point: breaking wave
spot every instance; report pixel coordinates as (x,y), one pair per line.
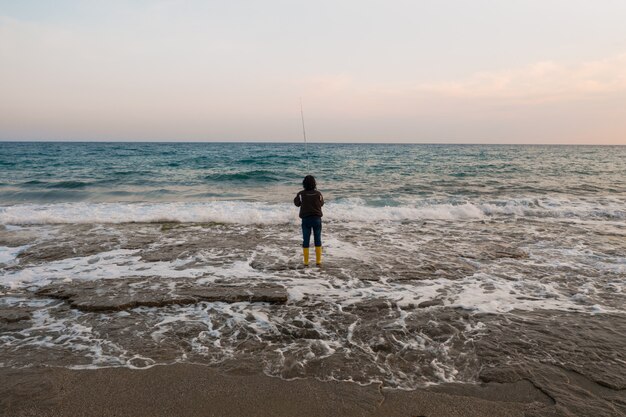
(237,212)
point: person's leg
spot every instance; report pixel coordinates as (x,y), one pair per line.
(317,237)
(306,232)
(306,240)
(317,231)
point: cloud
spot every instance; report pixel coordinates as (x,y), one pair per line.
(538,82)
(544,102)
(541,81)
(154,81)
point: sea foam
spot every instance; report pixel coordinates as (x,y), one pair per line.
(237,212)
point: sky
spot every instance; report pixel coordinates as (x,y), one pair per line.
(422,71)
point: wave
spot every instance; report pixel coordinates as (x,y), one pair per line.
(69,184)
(33,183)
(238,212)
(255,161)
(254,176)
(56,184)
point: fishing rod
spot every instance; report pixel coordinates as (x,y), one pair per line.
(306,147)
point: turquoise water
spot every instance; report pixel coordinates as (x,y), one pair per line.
(378,174)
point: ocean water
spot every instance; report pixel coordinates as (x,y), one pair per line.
(254,183)
(441,262)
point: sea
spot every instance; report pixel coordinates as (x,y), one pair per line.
(441,264)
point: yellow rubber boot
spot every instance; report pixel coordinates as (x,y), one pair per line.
(305,252)
(318,255)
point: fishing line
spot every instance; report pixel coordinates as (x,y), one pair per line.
(306,147)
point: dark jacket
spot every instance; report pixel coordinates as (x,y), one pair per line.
(310,203)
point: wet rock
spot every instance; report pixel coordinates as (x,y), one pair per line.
(198,253)
(430,303)
(263,265)
(495,251)
(379,304)
(364,272)
(509,252)
(14,239)
(189,330)
(426,270)
(13,316)
(212,245)
(301,333)
(125,294)
(520,391)
(15,319)
(266,293)
(382,345)
(502,375)
(55,251)
(171,252)
(568,339)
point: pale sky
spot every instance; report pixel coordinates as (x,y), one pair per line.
(440,71)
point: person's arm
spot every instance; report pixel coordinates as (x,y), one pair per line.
(298,200)
(321,199)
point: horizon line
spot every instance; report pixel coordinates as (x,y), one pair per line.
(308,142)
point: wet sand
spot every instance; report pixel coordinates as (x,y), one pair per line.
(196,390)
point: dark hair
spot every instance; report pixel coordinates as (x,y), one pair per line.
(309,183)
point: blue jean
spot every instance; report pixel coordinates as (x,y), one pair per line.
(308,223)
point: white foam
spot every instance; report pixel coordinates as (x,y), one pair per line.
(484,291)
(112,264)
(354,210)
(9,255)
(219,211)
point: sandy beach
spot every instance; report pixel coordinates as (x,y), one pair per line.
(194,390)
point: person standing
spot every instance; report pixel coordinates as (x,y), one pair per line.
(310,201)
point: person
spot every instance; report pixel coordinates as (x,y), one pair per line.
(310,201)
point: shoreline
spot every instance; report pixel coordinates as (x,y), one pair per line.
(198,390)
